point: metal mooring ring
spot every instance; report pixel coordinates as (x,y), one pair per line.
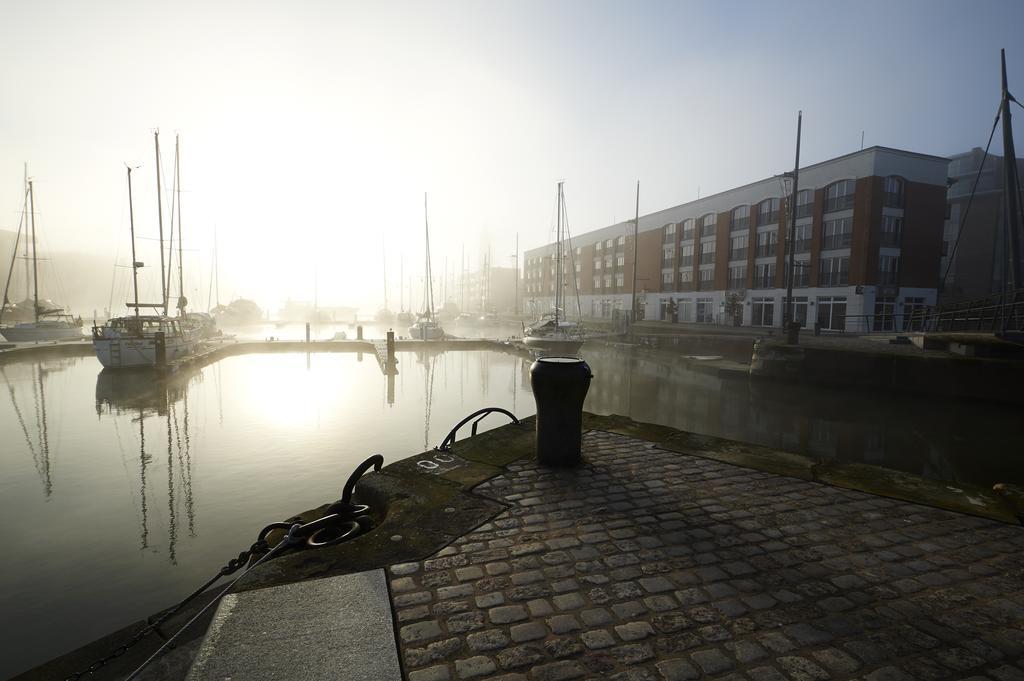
(323,536)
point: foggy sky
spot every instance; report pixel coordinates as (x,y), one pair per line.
(310,130)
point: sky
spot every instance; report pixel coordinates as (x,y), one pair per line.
(311,130)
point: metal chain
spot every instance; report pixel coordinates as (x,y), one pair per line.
(232,566)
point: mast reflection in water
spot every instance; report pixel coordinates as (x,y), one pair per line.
(162,399)
(140,489)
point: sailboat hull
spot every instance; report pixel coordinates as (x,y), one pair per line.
(43,331)
(133,353)
(426,332)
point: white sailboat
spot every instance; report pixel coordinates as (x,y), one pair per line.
(426,326)
(154,340)
(48,323)
(553,332)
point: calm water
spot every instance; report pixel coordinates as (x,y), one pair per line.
(121,496)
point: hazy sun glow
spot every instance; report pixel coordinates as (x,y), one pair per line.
(310,131)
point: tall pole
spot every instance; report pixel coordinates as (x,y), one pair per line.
(25,219)
(182,300)
(160,219)
(636,232)
(430,283)
(515,299)
(35,259)
(788,316)
(558,253)
(135,262)
(1010,184)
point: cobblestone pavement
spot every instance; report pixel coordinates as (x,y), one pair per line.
(649,564)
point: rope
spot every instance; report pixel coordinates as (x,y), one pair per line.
(970,201)
(289,540)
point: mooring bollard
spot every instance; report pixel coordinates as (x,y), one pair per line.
(559,385)
(359,333)
(307,332)
(391,347)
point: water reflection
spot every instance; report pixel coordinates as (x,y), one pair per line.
(35,431)
(162,399)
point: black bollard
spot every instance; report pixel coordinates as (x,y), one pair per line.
(391,347)
(559,385)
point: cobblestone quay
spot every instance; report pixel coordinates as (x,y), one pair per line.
(650,564)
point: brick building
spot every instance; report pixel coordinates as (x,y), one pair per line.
(868,243)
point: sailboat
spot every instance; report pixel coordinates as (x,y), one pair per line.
(553,332)
(48,323)
(154,340)
(426,326)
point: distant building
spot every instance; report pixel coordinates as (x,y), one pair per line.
(976,265)
(489,289)
(868,242)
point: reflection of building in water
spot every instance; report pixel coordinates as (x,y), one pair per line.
(158,403)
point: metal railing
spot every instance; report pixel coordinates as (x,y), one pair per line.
(985,315)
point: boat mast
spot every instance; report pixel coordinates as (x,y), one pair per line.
(182,300)
(558,254)
(1010,184)
(135,263)
(35,264)
(401,283)
(636,234)
(160,220)
(24,216)
(385,255)
(14,260)
(430,283)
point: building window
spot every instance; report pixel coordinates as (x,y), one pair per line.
(888,269)
(707,224)
(836,234)
(799,309)
(597,283)
(805,203)
(839,195)
(686,254)
(893,192)
(802,238)
(762,312)
(668,253)
(740,217)
(892,230)
(669,232)
(705,310)
(620,279)
(608,243)
(764,275)
(597,263)
(801,274)
(707,279)
(738,277)
(832,313)
(738,247)
(621,241)
(885,309)
(707,253)
(686,276)
(607,262)
(914,311)
(607,281)
(766,243)
(834,271)
(599,246)
(666,277)
(768,212)
(620,260)
(687,229)
(684,310)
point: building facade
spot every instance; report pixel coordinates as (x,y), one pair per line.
(867,247)
(974,266)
